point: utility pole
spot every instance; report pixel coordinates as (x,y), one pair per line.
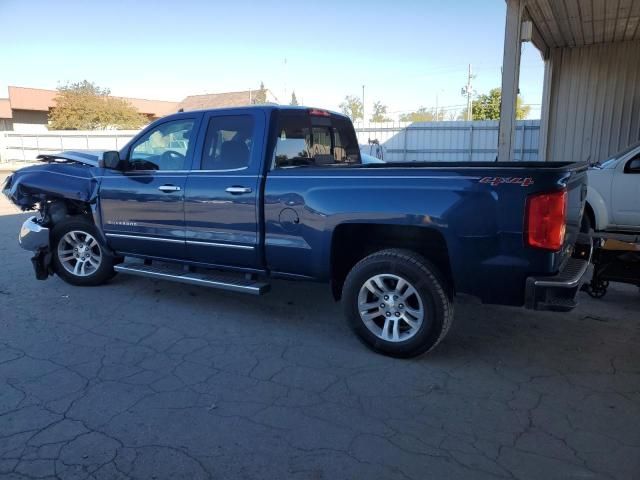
(468,91)
(363,116)
(285,80)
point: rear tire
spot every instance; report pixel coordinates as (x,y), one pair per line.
(78,256)
(396,302)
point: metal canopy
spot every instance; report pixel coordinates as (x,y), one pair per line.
(575,23)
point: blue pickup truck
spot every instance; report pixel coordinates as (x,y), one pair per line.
(232,198)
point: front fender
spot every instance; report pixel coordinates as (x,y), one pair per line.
(599,208)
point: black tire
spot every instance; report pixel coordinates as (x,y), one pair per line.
(427,282)
(101,274)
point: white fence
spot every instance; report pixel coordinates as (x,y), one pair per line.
(448,141)
(18,146)
(430,141)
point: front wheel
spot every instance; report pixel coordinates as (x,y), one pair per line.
(78,256)
(397,303)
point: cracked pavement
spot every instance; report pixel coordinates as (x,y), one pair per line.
(146,379)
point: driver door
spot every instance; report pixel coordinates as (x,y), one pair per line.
(142,208)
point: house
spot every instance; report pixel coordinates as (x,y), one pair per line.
(27,109)
(222,100)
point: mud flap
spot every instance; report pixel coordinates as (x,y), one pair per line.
(42,263)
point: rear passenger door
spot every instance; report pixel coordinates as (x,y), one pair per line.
(222,191)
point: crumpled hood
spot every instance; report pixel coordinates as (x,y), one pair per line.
(73,181)
(85,157)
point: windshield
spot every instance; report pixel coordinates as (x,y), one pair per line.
(609,162)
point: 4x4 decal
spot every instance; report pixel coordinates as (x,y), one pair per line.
(524,182)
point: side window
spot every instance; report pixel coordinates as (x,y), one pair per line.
(633,165)
(228,143)
(163,148)
(320,141)
(293,142)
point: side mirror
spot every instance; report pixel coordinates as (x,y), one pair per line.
(110,160)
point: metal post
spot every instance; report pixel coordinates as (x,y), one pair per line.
(471,143)
(404,150)
(510,79)
(38,144)
(24,159)
(363,115)
(87,139)
(522,143)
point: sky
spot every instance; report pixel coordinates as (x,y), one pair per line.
(408,54)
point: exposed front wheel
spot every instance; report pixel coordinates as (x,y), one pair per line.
(78,256)
(397,303)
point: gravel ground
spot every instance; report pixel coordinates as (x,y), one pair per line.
(152,380)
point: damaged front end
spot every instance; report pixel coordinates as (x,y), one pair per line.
(34,237)
(55,190)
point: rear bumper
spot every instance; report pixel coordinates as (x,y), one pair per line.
(558,292)
(33,236)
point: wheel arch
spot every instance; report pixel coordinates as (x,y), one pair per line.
(351,242)
(596,205)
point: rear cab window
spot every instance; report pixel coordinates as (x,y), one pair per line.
(314,138)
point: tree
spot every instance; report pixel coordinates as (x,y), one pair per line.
(352,107)
(294,99)
(379,113)
(85,106)
(260,95)
(487,107)
(423,114)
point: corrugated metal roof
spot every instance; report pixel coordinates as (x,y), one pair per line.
(570,23)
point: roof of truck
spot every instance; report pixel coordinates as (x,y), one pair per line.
(266,107)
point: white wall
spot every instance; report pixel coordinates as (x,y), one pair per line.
(26,146)
(595,101)
(448,141)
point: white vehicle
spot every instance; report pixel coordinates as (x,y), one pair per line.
(613,195)
(366,158)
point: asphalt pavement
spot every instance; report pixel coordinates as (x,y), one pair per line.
(148,379)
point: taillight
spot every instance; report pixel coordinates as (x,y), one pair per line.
(546,217)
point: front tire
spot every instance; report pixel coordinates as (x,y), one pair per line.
(78,256)
(396,302)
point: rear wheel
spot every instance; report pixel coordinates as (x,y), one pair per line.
(78,256)
(397,303)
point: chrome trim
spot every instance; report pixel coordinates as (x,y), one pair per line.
(169,188)
(142,237)
(224,245)
(33,236)
(237,190)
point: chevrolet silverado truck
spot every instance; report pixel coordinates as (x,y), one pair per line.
(232,198)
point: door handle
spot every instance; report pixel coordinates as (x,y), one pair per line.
(169,188)
(238,190)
